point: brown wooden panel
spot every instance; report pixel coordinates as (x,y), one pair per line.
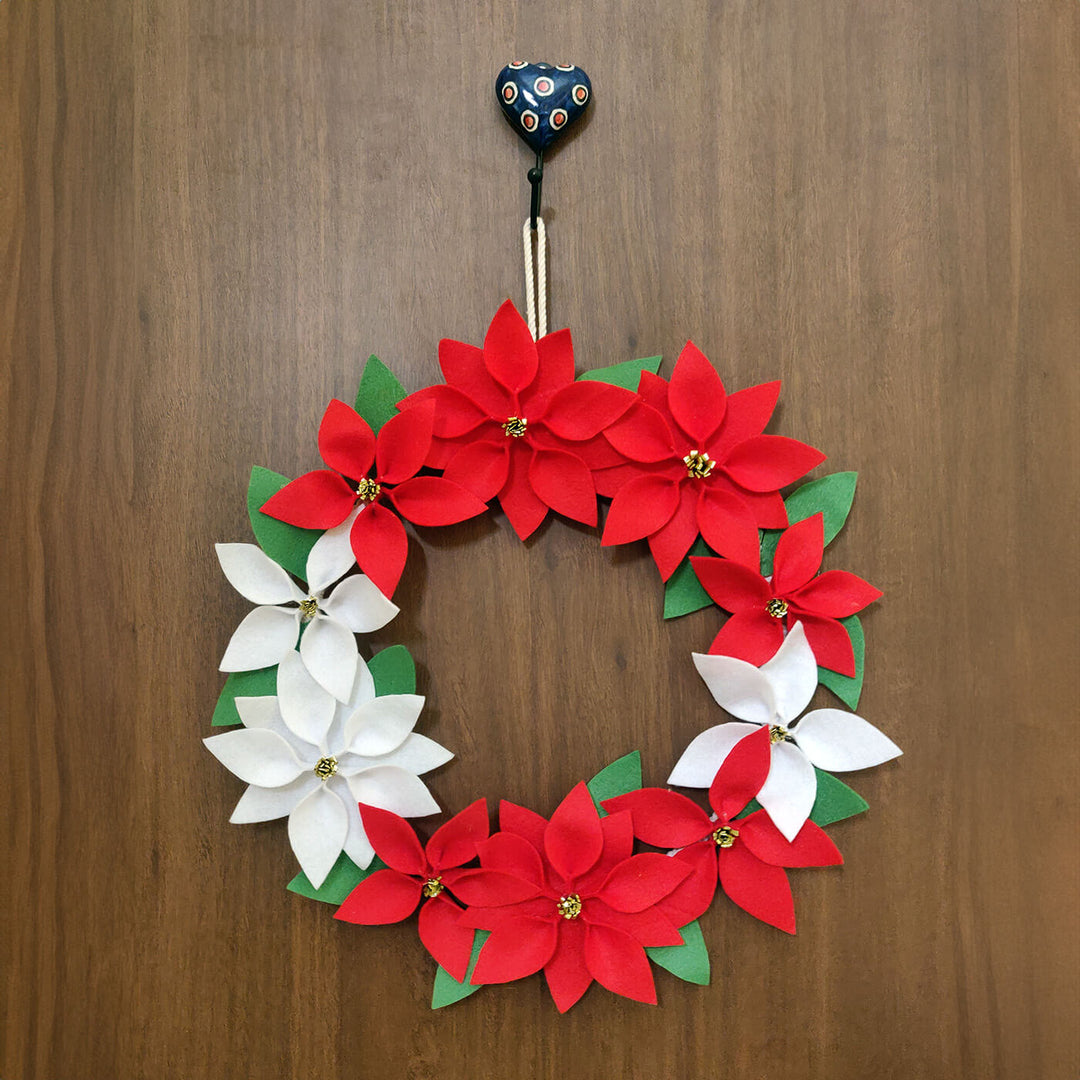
(212,212)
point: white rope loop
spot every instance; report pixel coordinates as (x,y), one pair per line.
(535,280)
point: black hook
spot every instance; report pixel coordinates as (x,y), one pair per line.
(536,179)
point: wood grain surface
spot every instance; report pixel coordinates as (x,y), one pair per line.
(212,212)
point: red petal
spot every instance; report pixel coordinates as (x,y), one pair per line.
(403,443)
(556,364)
(829,642)
(383,897)
(346,442)
(582,410)
(498,918)
(670,544)
(434,500)
(748,411)
(573,838)
(597,453)
(696,395)
(641,881)
(509,350)
(693,897)
(644,506)
(767,507)
(454,843)
(653,390)
(661,817)
(480,467)
(727,525)
(836,594)
(380,546)
(316,500)
(642,434)
(514,951)
(618,846)
(811,847)
(394,840)
(742,774)
(756,887)
(619,963)
(649,927)
(610,480)
(444,937)
(566,973)
(798,555)
(491,888)
(522,505)
(442,450)
(732,585)
(769,462)
(463,368)
(564,483)
(455,413)
(512,854)
(522,822)
(752,636)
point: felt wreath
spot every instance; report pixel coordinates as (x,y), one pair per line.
(326,738)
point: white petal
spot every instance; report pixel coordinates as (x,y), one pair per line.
(839,741)
(257,756)
(261,712)
(317,830)
(417,754)
(254,575)
(268,804)
(703,757)
(262,639)
(357,845)
(358,603)
(382,724)
(305,706)
(363,688)
(332,556)
(793,675)
(740,688)
(394,789)
(329,651)
(790,790)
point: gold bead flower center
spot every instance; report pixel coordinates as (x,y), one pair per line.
(309,608)
(778,734)
(698,464)
(325,767)
(515,426)
(432,887)
(776,607)
(725,836)
(368,490)
(570,906)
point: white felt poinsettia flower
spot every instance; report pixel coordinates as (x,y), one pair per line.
(307,756)
(328,647)
(775,694)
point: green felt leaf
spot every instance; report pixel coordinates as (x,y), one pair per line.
(287,545)
(261,683)
(393,671)
(342,879)
(617,778)
(447,989)
(683,592)
(834,802)
(688,961)
(379,393)
(830,495)
(626,374)
(848,689)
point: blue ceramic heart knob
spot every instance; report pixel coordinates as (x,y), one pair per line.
(541,101)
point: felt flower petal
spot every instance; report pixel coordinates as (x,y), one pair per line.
(662,818)
(792,674)
(346,441)
(329,652)
(480,467)
(264,636)
(641,881)
(417,754)
(648,927)
(316,500)
(403,443)
(753,636)
(642,434)
(564,483)
(770,462)
(839,741)
(255,576)
(700,761)
(836,594)
(696,395)
(386,896)
(306,708)
(641,507)
(263,712)
(394,841)
(789,793)
(798,554)
(454,843)
(257,756)
(829,642)
(317,829)
(394,789)
(573,838)
(332,556)
(556,366)
(727,525)
(456,414)
(516,950)
(522,822)
(617,962)
(380,545)
(491,888)
(692,898)
(463,368)
(434,500)
(670,544)
(448,942)
(363,688)
(811,847)
(359,605)
(382,725)
(738,687)
(523,507)
(566,972)
(357,846)
(512,854)
(742,775)
(618,833)
(581,410)
(509,350)
(747,413)
(732,585)
(757,887)
(269,804)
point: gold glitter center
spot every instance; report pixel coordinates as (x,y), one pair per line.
(515,426)
(309,608)
(776,607)
(325,767)
(698,464)
(725,836)
(368,490)
(778,734)
(432,887)
(570,906)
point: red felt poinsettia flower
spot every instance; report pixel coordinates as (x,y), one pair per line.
(746,855)
(697,462)
(512,423)
(596,908)
(428,875)
(367,473)
(761,608)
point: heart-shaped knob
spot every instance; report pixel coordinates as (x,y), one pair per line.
(541,101)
